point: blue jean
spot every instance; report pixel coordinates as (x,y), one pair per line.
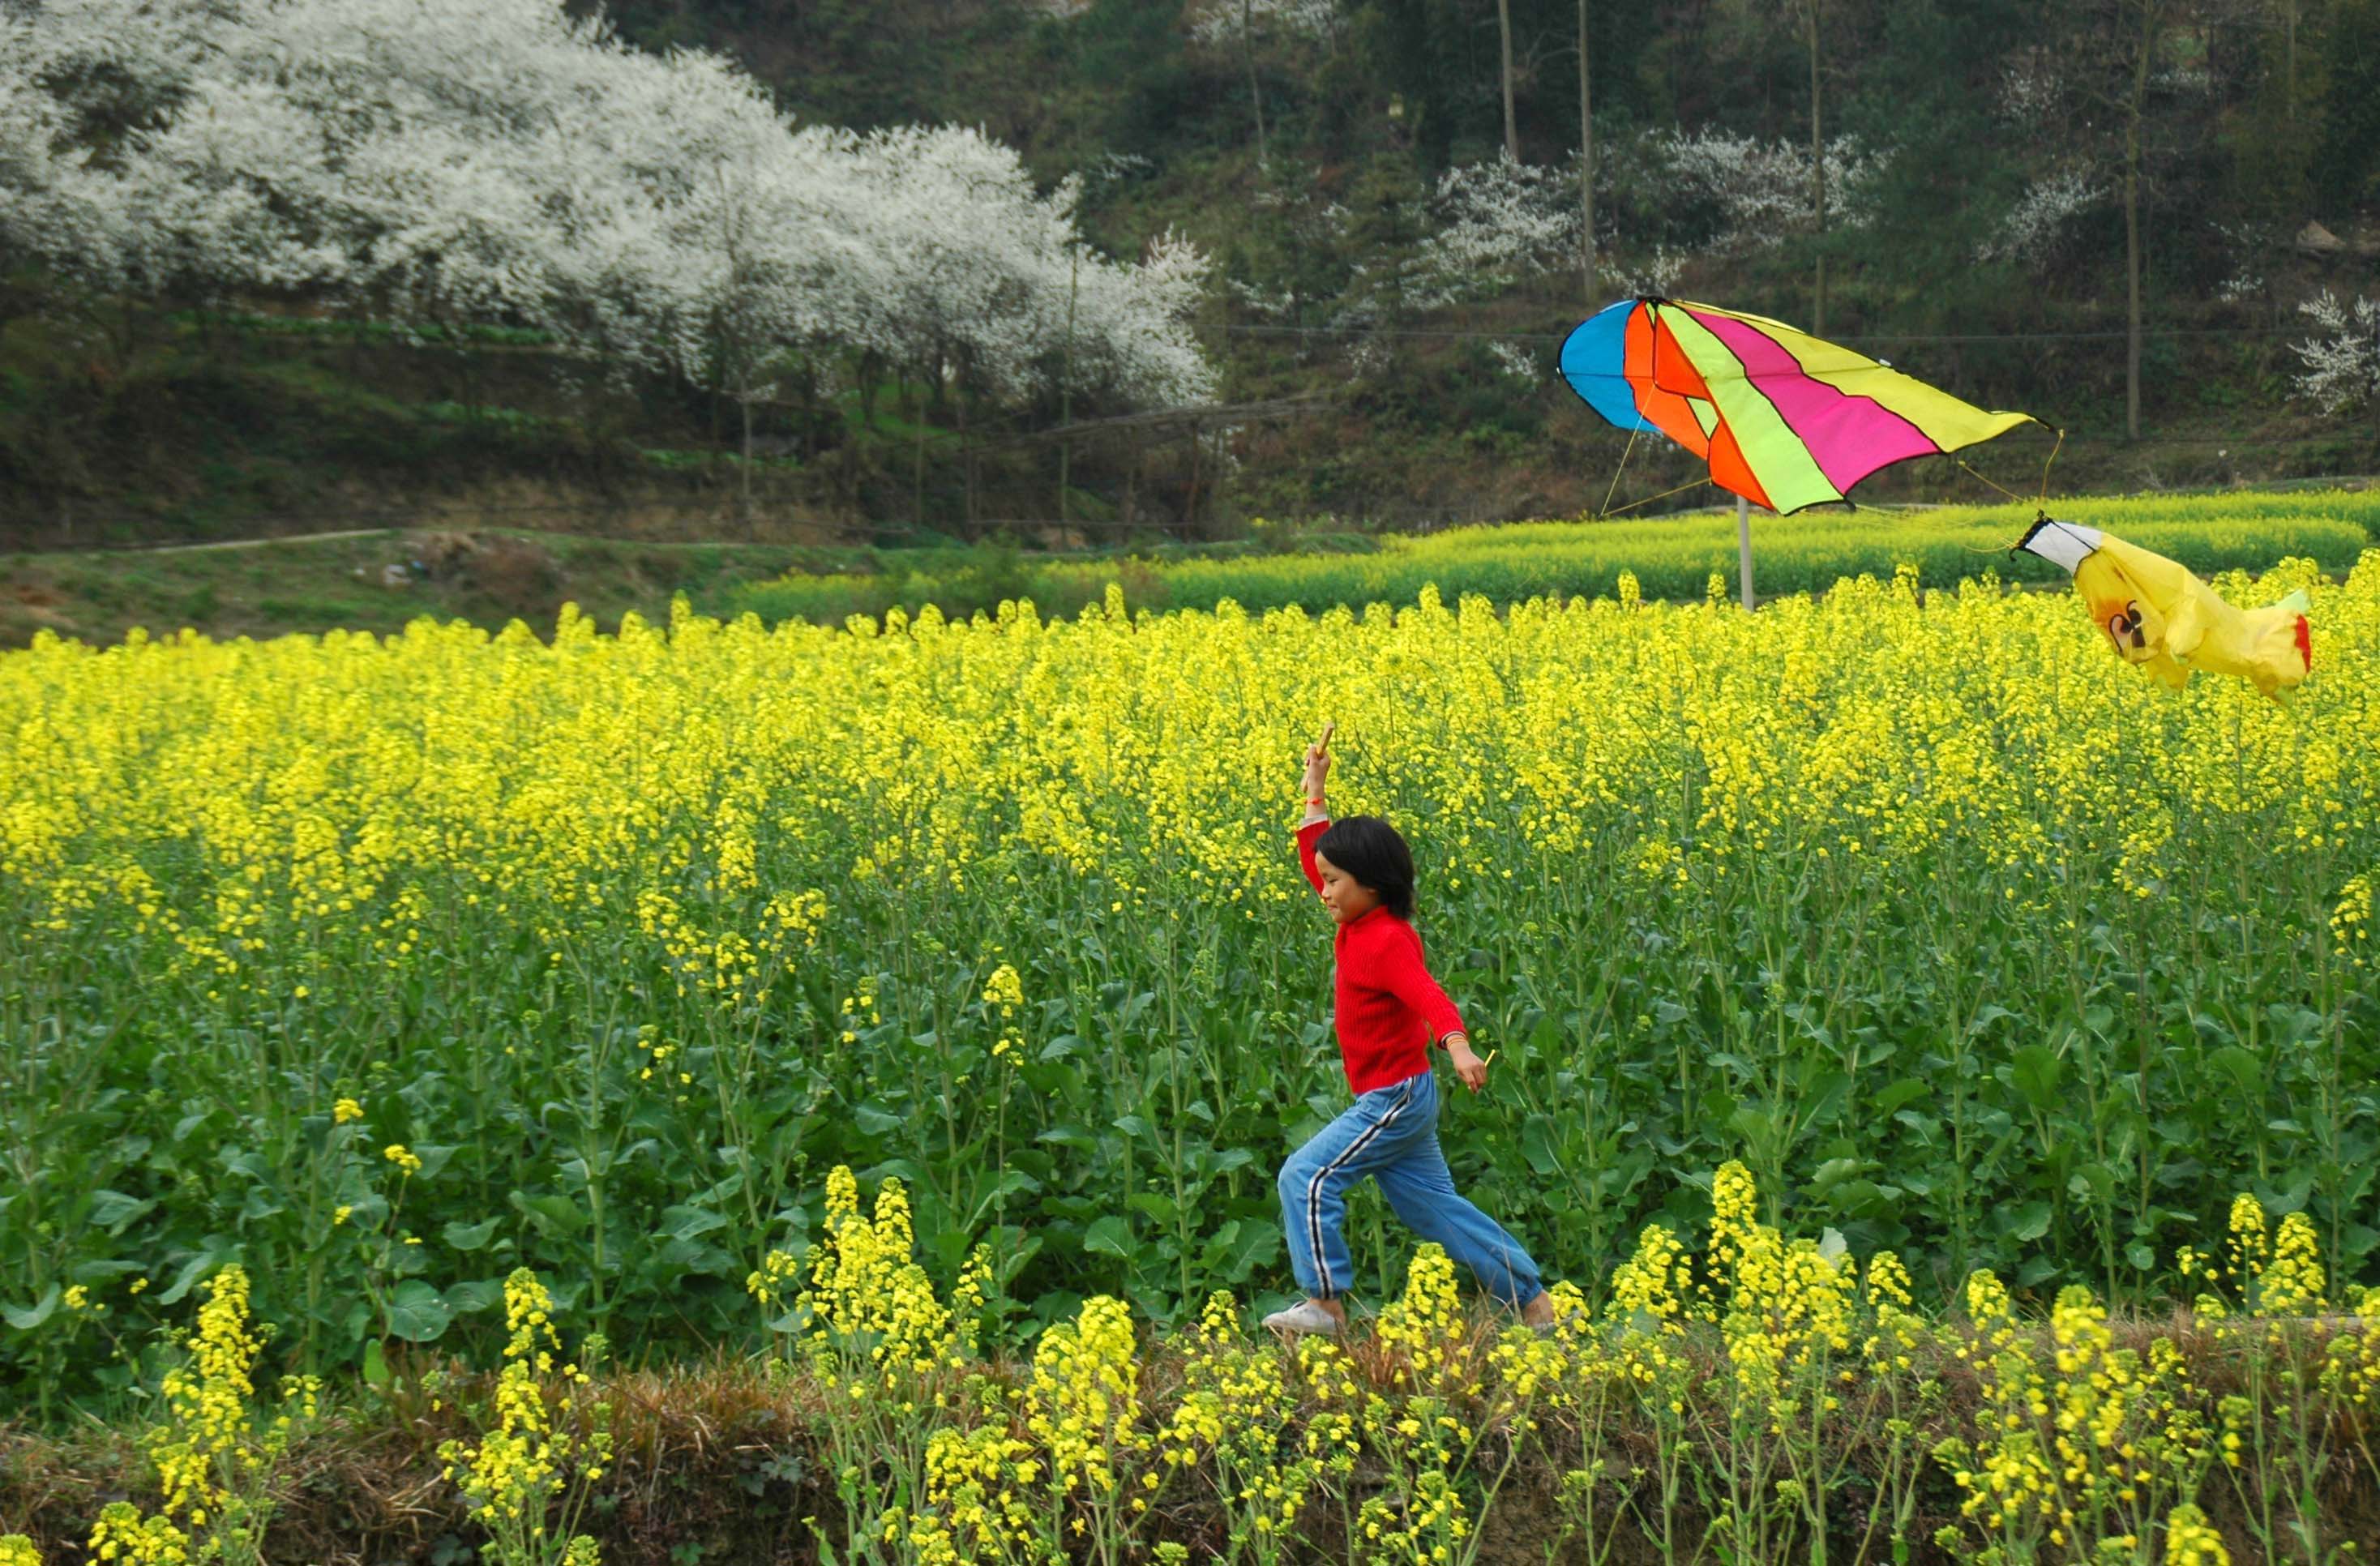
(1391,1134)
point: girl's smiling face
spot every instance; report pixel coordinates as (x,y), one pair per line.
(1347,898)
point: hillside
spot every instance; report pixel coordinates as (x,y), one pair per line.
(1369,369)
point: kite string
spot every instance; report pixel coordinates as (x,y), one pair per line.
(2002,549)
(2002,488)
(1621,469)
(1665,494)
(2043,499)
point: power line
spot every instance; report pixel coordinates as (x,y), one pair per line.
(1192,414)
(1257,330)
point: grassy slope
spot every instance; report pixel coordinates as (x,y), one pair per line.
(315,584)
(275,425)
(320,585)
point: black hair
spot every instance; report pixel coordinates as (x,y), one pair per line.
(1368,849)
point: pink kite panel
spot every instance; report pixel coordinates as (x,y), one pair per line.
(1850,437)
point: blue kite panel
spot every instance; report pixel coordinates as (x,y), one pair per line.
(1592,357)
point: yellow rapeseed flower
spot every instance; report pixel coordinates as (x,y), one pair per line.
(867,1293)
(2190,1540)
(1083,1403)
(513,1474)
(122,1534)
(2292,1283)
(1004,989)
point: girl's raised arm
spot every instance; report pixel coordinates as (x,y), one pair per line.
(1318,768)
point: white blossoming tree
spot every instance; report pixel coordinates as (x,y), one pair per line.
(36,157)
(456,162)
(2342,363)
(1760,191)
(987,286)
(2034,230)
(1500,222)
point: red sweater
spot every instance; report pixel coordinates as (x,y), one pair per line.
(1390,1010)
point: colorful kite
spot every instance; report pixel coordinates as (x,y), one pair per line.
(1784,419)
(2159,615)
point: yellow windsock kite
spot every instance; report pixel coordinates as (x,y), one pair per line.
(2159,615)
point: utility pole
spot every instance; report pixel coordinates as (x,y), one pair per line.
(1744,551)
(1817,175)
(1512,126)
(1585,165)
(1248,53)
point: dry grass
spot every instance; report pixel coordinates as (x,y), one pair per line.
(716,1460)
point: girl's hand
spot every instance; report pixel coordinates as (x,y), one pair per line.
(1317,767)
(1468,1066)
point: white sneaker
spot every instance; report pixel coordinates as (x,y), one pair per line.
(1304,1317)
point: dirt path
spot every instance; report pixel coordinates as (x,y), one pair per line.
(256,543)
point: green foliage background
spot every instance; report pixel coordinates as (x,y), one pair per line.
(169,424)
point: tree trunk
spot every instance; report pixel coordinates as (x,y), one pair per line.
(870,366)
(966,445)
(718,387)
(2289,74)
(867,375)
(1817,178)
(809,411)
(1190,507)
(1512,126)
(128,338)
(744,401)
(1066,386)
(1585,165)
(1248,52)
(918,462)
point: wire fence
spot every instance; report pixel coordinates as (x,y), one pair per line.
(1260,329)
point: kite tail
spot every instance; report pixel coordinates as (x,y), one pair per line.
(2299,603)
(2280,643)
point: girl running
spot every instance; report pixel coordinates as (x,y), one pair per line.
(1387,1013)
